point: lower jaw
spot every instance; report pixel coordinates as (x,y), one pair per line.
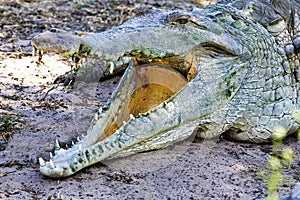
(153,84)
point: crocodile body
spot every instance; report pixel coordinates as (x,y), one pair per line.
(237,62)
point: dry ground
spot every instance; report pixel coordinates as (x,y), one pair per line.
(30,123)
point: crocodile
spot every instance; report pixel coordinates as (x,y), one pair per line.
(229,69)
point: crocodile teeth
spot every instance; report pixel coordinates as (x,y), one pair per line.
(80,149)
(51,164)
(111,68)
(73,143)
(51,155)
(124,122)
(131,116)
(34,51)
(75,160)
(82,135)
(41,161)
(57,144)
(126,60)
(96,116)
(78,139)
(100,110)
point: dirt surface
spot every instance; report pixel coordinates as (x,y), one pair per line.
(31,121)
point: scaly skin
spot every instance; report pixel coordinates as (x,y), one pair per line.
(239,63)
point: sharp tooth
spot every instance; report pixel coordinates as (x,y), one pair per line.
(78,139)
(41,161)
(124,123)
(96,117)
(72,143)
(57,144)
(80,149)
(75,160)
(51,155)
(131,116)
(34,50)
(67,146)
(82,135)
(111,67)
(40,52)
(100,110)
(126,60)
(51,164)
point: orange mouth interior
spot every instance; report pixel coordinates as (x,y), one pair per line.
(154,84)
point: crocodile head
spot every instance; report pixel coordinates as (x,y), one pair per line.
(198,61)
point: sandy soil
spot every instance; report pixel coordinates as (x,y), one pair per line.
(215,169)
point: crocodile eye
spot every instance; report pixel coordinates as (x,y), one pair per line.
(179,19)
(182,21)
(186,19)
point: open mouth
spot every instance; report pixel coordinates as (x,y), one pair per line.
(146,84)
(150,82)
(149,85)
